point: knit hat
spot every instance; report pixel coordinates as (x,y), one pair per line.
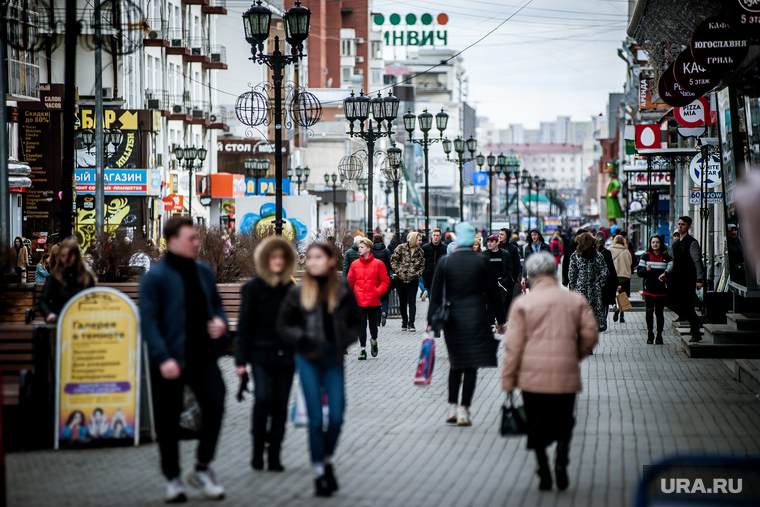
(465,234)
(357,238)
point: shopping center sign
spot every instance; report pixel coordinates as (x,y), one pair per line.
(427,33)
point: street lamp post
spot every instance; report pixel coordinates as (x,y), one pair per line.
(540,185)
(459,146)
(394,173)
(189,155)
(426,124)
(383,110)
(480,160)
(256,168)
(363,184)
(112,137)
(299,172)
(256,21)
(509,166)
(334,178)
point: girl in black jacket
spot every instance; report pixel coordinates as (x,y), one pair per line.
(69,277)
(258,343)
(321,319)
(651,265)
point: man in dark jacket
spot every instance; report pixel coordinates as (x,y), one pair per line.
(566,259)
(185,328)
(434,252)
(499,265)
(351,255)
(535,244)
(511,281)
(381,253)
(687,273)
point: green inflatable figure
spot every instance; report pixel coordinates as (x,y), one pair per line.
(613,190)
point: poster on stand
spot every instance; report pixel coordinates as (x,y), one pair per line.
(98,368)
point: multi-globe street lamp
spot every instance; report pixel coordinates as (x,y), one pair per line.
(299,172)
(393,173)
(189,155)
(509,167)
(480,160)
(256,22)
(459,146)
(256,168)
(363,184)
(334,178)
(110,137)
(425,121)
(358,109)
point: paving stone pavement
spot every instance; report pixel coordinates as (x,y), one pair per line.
(640,402)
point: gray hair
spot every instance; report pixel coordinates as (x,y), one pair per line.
(540,264)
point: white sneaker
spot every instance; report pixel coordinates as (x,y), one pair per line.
(206,482)
(412,330)
(463,417)
(424,295)
(175,491)
(452,417)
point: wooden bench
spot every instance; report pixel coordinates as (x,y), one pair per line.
(16,344)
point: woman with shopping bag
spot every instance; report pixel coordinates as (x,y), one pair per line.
(550,331)
(621,258)
(258,343)
(321,319)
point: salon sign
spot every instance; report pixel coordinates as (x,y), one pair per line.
(98,365)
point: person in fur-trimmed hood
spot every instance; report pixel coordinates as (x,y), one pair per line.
(259,344)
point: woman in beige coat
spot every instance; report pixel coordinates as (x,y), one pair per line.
(550,331)
(623,261)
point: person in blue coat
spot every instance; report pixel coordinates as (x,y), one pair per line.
(185,328)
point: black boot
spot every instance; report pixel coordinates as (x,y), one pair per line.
(331,480)
(322,486)
(274,464)
(622,318)
(650,337)
(658,340)
(560,464)
(257,461)
(544,474)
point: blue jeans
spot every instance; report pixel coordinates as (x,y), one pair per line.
(317,377)
(421,283)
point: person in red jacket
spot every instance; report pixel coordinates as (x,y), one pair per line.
(369,279)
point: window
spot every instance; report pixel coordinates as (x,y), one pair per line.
(563,169)
(347,47)
(543,159)
(377,76)
(572,159)
(562,159)
(375,49)
(345,74)
(554,159)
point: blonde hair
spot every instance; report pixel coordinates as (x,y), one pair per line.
(412,239)
(312,293)
(366,242)
(619,240)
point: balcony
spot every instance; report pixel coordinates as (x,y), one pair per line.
(179,108)
(202,3)
(218,118)
(178,42)
(158,33)
(157,99)
(199,50)
(215,7)
(217,58)
(199,113)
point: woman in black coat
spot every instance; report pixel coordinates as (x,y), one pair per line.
(259,344)
(382,253)
(470,292)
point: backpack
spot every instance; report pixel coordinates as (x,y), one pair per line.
(555,248)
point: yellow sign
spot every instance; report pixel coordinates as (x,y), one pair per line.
(97,391)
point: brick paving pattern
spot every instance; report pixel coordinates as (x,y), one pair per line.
(640,402)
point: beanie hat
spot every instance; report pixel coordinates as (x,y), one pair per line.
(465,234)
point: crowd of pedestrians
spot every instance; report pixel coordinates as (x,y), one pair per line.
(309,327)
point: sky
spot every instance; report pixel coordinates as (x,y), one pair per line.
(552,58)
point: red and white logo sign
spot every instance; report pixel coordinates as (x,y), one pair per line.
(694,115)
(647,136)
(173,202)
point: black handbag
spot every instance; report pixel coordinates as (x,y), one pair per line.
(513,419)
(441,316)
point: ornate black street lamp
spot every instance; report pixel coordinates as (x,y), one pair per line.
(299,172)
(363,184)
(480,160)
(426,124)
(459,147)
(189,155)
(540,185)
(509,166)
(256,168)
(256,22)
(334,178)
(393,173)
(110,137)
(383,109)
